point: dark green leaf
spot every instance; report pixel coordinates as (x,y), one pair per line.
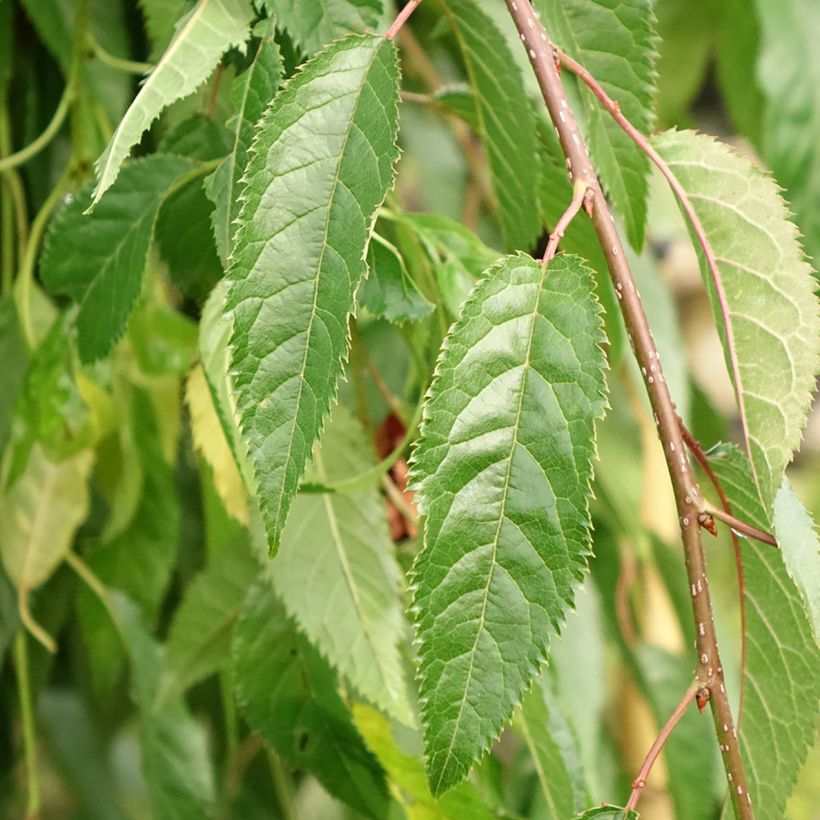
(607,813)
(321,164)
(508,430)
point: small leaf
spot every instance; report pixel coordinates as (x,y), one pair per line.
(251,92)
(504,116)
(289,694)
(388,291)
(337,574)
(616,43)
(314,23)
(200,636)
(322,163)
(782,680)
(503,469)
(607,813)
(99,260)
(797,538)
(201,39)
(771,340)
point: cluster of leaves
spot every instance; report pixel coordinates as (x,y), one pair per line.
(221,340)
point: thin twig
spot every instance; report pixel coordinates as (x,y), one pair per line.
(399,501)
(741,527)
(118,63)
(644,145)
(639,782)
(709,671)
(579,194)
(401,18)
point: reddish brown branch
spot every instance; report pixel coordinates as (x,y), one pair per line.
(401,18)
(579,196)
(709,672)
(639,782)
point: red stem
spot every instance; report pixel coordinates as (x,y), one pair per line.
(579,197)
(401,18)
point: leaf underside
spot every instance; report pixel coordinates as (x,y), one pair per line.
(782,680)
(774,317)
(502,470)
(321,165)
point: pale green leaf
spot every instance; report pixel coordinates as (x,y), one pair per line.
(782,680)
(161,19)
(797,538)
(212,27)
(389,291)
(251,92)
(289,694)
(209,438)
(505,119)
(200,636)
(789,74)
(321,164)
(408,783)
(337,574)
(503,469)
(99,260)
(314,23)
(174,750)
(771,340)
(616,43)
(41,512)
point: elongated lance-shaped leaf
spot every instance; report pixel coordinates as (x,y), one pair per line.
(616,42)
(202,37)
(502,470)
(768,315)
(314,23)
(782,680)
(290,695)
(99,259)
(251,92)
(337,574)
(321,164)
(505,119)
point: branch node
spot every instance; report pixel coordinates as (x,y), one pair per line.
(706,521)
(702,697)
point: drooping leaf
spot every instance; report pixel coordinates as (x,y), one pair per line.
(40,513)
(99,260)
(771,341)
(337,574)
(174,751)
(505,119)
(782,680)
(389,291)
(503,469)
(789,74)
(321,164)
(200,636)
(616,43)
(799,545)
(211,28)
(251,92)
(408,783)
(314,23)
(289,694)
(209,438)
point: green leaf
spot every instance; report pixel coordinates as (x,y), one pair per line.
(389,291)
(200,636)
(408,783)
(321,164)
(211,28)
(41,512)
(789,74)
(99,260)
(314,23)
(782,680)
(175,760)
(251,92)
(337,574)
(771,340)
(503,469)
(302,715)
(533,724)
(14,355)
(616,42)
(797,538)
(161,19)
(504,116)
(607,813)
